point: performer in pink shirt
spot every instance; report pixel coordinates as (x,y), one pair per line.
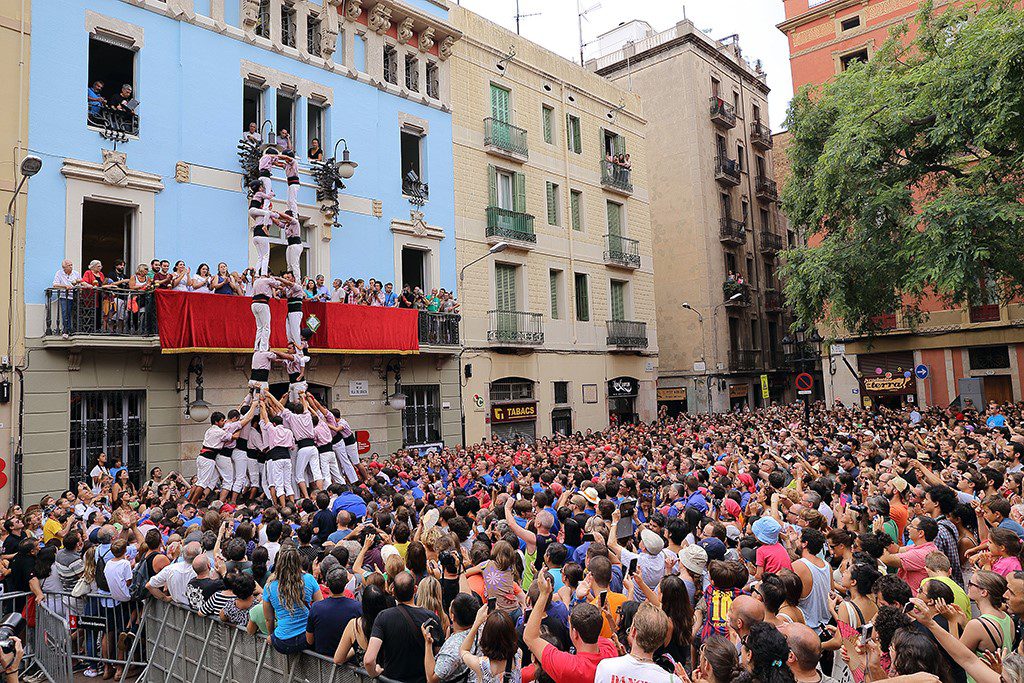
(278,441)
(260,209)
(322,436)
(291,172)
(267,161)
(295,365)
(344,439)
(259,375)
(306,462)
(263,289)
(290,224)
(224,461)
(292,291)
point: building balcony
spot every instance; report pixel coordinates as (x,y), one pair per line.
(744,360)
(986,313)
(101,317)
(621,251)
(727,171)
(616,177)
(722,113)
(773,300)
(884,322)
(513,227)
(760,136)
(770,242)
(505,140)
(515,328)
(439,329)
(115,124)
(627,334)
(732,232)
(735,294)
(766,189)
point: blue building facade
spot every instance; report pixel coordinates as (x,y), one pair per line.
(369,76)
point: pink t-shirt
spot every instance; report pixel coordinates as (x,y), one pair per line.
(1006,566)
(773,558)
(913,570)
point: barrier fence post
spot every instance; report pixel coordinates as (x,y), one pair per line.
(227,657)
(156,641)
(177,648)
(259,662)
(202,652)
(135,642)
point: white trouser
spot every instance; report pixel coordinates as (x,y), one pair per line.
(307,459)
(329,468)
(262,245)
(293,199)
(206,473)
(225,471)
(294,328)
(265,179)
(291,256)
(295,388)
(265,475)
(279,474)
(255,474)
(261,312)
(344,463)
(240,466)
(352,449)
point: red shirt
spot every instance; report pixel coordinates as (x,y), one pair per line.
(579,668)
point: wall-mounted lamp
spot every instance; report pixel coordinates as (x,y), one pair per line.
(346,167)
(397,399)
(30,165)
(197,410)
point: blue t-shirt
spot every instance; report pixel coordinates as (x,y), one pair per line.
(350,502)
(291,622)
(328,619)
(1012,526)
(996,420)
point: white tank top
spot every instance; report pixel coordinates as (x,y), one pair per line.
(815,606)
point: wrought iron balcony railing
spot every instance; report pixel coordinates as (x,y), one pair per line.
(723,113)
(622,251)
(731,288)
(727,171)
(505,137)
(760,135)
(772,300)
(744,359)
(416,190)
(732,231)
(116,124)
(770,242)
(515,327)
(627,334)
(439,329)
(616,177)
(512,225)
(766,188)
(89,311)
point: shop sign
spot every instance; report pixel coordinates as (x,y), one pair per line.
(513,412)
(362,441)
(672,394)
(765,394)
(888,385)
(738,390)
(623,386)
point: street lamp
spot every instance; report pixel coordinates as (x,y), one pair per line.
(30,165)
(197,410)
(703,351)
(346,167)
(397,399)
(495,249)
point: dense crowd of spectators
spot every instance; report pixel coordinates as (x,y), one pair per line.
(750,546)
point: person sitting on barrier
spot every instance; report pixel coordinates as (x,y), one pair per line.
(172,582)
(329,618)
(286,602)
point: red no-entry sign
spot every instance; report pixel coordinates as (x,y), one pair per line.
(804,381)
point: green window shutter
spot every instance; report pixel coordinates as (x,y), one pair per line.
(553,277)
(576,141)
(492,185)
(582,298)
(505,287)
(545,115)
(574,207)
(499,103)
(614,219)
(620,144)
(568,130)
(519,193)
(552,196)
(600,142)
(618,300)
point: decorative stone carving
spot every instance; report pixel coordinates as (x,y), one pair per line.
(405,32)
(115,168)
(444,50)
(146,361)
(182,172)
(378,208)
(380,18)
(74,360)
(353,10)
(426,39)
(250,14)
(328,42)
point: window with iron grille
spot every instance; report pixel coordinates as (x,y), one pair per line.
(313,35)
(288,25)
(433,80)
(111,422)
(412,73)
(263,19)
(511,389)
(390,65)
(421,419)
(989,357)
(561,392)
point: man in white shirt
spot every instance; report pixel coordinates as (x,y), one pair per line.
(646,635)
(118,572)
(65,280)
(171,582)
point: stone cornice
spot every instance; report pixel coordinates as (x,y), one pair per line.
(77,169)
(824,10)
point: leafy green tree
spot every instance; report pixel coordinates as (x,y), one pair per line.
(910,169)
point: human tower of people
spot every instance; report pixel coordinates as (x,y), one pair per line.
(266,446)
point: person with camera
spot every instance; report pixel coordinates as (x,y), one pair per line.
(447,665)
(396,646)
(12,651)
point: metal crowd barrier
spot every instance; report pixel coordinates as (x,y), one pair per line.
(94,625)
(186,647)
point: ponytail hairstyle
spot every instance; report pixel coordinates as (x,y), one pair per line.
(1008,540)
(720,654)
(992,583)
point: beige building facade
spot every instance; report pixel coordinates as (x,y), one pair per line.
(714,215)
(553,241)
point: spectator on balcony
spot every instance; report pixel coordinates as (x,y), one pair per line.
(376,295)
(390,298)
(124,101)
(625,163)
(164,278)
(433,301)
(253,135)
(224,282)
(406,299)
(309,289)
(315,152)
(90,308)
(202,281)
(337,291)
(118,277)
(141,281)
(181,277)
(284,140)
(322,292)
(95,99)
(65,280)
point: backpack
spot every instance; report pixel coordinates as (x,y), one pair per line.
(140,577)
(101,574)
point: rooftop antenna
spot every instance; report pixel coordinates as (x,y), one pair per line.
(581,14)
(520,15)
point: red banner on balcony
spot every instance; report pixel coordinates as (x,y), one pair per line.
(190,322)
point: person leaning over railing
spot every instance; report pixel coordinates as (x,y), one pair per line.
(65,280)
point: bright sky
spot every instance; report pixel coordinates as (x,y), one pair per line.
(754,20)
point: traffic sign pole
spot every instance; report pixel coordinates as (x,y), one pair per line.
(804,382)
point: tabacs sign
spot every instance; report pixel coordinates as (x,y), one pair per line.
(514,412)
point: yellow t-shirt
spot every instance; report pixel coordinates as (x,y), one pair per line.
(51,529)
(959,596)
